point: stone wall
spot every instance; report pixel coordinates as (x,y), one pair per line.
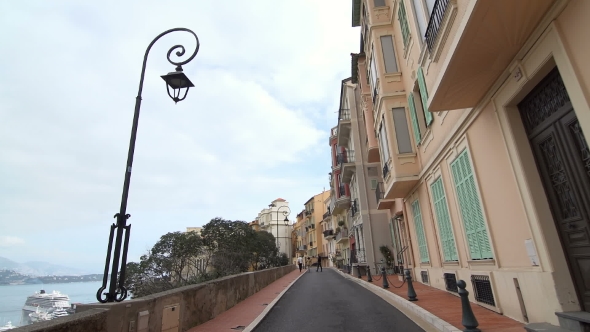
(172,311)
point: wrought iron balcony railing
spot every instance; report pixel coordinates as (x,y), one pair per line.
(385,170)
(344,114)
(342,190)
(328,232)
(342,234)
(357,256)
(436,18)
(353,208)
(346,157)
(379,192)
(327,214)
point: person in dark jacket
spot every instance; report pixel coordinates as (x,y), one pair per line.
(319,264)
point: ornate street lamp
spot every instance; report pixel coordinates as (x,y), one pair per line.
(177,81)
(286,220)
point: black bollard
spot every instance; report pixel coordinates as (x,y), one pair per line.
(369,278)
(411,291)
(468,320)
(384,277)
(358,270)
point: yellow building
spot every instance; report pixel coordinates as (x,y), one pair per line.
(312,217)
(479,111)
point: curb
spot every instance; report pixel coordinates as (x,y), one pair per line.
(420,316)
(266,310)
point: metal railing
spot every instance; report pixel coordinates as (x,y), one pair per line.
(385,170)
(357,256)
(326,215)
(344,114)
(379,192)
(346,157)
(436,18)
(353,208)
(342,234)
(342,190)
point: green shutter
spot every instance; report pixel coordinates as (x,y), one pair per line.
(424,96)
(470,206)
(422,246)
(414,118)
(444,221)
(403,22)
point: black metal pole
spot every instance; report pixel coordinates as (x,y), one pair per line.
(285,213)
(411,292)
(384,277)
(117,291)
(468,318)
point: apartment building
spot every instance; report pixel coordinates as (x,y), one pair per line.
(312,217)
(480,110)
(327,227)
(275,220)
(355,177)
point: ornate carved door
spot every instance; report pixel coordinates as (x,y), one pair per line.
(563,160)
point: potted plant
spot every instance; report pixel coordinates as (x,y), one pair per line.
(388,256)
(341,223)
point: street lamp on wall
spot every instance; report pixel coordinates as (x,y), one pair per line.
(175,81)
(286,213)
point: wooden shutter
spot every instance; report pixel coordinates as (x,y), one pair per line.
(403,22)
(470,206)
(424,96)
(444,221)
(418,224)
(414,118)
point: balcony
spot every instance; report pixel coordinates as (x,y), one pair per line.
(382,203)
(347,166)
(342,202)
(336,165)
(302,248)
(342,236)
(344,126)
(326,215)
(329,234)
(357,256)
(489,36)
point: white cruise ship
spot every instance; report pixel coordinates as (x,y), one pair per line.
(45,306)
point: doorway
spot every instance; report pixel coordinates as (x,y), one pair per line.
(562,157)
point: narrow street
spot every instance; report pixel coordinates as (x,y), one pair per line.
(325,301)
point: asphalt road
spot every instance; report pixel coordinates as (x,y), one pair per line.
(325,301)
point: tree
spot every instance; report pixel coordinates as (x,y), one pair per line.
(229,243)
(172,262)
(264,249)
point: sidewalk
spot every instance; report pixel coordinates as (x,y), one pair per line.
(244,313)
(447,307)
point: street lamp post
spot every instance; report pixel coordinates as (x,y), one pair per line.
(177,81)
(286,220)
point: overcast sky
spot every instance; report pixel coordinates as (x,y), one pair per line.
(254,128)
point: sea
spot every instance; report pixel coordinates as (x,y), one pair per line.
(13,297)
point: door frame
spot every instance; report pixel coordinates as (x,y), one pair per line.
(547,53)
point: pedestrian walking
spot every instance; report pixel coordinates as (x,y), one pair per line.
(300,263)
(319,264)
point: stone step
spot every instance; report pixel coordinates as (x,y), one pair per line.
(544,327)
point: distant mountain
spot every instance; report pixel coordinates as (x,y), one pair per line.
(39,268)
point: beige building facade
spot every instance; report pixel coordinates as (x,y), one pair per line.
(480,110)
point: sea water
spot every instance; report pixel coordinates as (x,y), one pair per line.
(13,297)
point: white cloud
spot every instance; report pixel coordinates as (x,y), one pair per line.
(10,241)
(254,128)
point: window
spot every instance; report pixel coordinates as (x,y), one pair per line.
(420,17)
(424,97)
(383,141)
(403,22)
(444,221)
(373,184)
(388,54)
(419,225)
(402,132)
(379,3)
(471,211)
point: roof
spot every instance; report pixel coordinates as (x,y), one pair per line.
(279,200)
(356,13)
